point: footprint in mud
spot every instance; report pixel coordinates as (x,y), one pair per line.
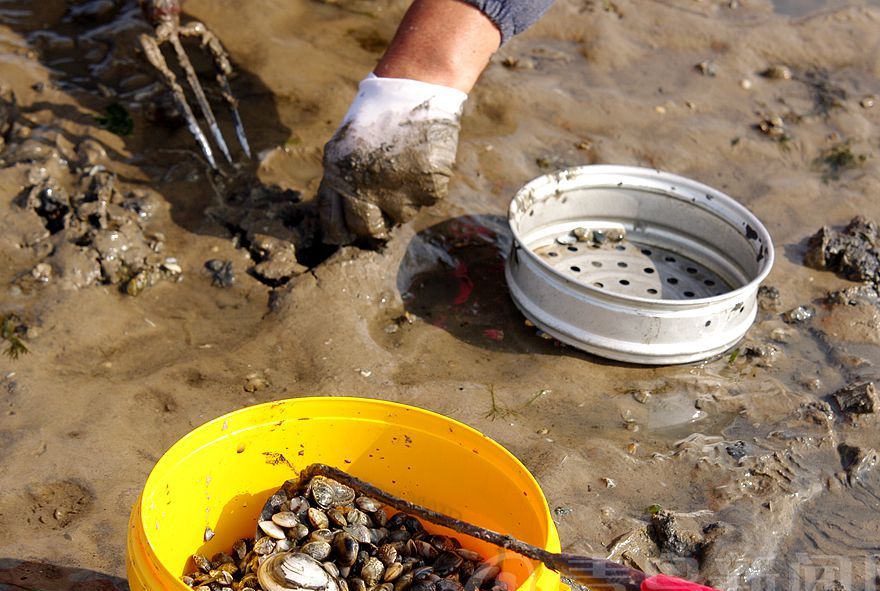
(56,505)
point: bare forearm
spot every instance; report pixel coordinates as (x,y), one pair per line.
(446,42)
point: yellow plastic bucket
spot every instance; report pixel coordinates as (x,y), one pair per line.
(220,475)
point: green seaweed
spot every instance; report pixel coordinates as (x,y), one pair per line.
(116,120)
(10,328)
(498,410)
(838,158)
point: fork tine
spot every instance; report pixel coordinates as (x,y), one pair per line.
(236,118)
(221,63)
(200,94)
(155,57)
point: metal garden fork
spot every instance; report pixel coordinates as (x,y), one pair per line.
(164,15)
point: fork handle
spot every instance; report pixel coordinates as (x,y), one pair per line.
(667,583)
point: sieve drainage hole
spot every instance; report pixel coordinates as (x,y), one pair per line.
(620,247)
(672,281)
(688,294)
(646,252)
(552,254)
(572,249)
(575,269)
(708,322)
(691,270)
(596,264)
(670,259)
(622,265)
(652,291)
(648,270)
(624,282)
(599,285)
(709,282)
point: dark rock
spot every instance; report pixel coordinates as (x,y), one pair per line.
(852,253)
(222,274)
(857,399)
(736,450)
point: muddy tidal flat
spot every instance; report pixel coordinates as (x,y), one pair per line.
(141,294)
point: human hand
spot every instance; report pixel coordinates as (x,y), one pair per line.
(392,155)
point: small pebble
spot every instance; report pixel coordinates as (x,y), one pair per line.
(745,84)
(777,72)
(641,396)
(798,315)
(707,68)
(868,102)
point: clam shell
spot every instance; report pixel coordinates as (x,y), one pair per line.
(403,582)
(393,571)
(317,550)
(387,553)
(318,518)
(321,535)
(346,548)
(264,545)
(337,518)
(285,519)
(356,516)
(326,492)
(359,533)
(294,571)
(201,562)
(271,529)
(372,571)
(367,504)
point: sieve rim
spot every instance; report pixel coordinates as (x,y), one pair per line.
(631,175)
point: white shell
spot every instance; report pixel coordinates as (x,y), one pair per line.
(294,571)
(272,530)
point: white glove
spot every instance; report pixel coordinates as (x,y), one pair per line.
(392,154)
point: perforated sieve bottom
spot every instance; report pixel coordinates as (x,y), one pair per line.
(634,269)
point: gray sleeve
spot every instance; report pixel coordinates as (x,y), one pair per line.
(512,17)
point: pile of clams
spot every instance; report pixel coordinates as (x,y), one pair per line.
(328,538)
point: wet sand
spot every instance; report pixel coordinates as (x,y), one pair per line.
(750,442)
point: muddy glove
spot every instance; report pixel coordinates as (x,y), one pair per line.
(392,154)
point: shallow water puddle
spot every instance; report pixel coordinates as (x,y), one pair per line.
(805,7)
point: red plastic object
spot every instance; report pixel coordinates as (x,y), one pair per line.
(667,583)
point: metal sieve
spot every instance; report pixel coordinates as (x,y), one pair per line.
(635,264)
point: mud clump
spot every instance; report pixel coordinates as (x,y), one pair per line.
(279,231)
(856,461)
(98,234)
(857,399)
(676,534)
(80,225)
(768,297)
(853,253)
